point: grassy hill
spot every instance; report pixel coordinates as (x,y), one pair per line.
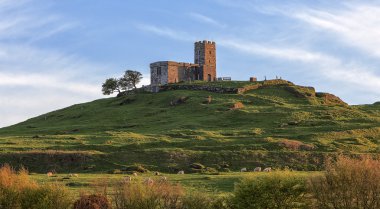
(277,124)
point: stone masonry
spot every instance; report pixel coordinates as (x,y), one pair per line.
(205,56)
(203,68)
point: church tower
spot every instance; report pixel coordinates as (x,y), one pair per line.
(205,57)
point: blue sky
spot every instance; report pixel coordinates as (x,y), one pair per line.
(57,53)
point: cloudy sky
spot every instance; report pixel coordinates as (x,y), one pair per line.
(57,53)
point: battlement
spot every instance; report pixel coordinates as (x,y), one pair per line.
(172,63)
(205,42)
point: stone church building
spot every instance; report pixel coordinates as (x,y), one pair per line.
(203,68)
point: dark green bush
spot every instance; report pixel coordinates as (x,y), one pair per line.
(198,200)
(277,190)
(45,197)
(135,168)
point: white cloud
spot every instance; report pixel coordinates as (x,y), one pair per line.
(27,102)
(166,32)
(287,53)
(36,80)
(206,19)
(328,66)
(145,81)
(20,20)
(357,25)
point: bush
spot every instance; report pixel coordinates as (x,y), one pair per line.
(45,197)
(198,200)
(162,195)
(210,170)
(137,195)
(348,183)
(94,201)
(135,168)
(274,190)
(17,191)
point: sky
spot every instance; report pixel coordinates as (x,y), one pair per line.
(57,53)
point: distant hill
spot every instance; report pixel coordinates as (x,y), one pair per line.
(277,124)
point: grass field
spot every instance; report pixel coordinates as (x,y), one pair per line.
(280,126)
(221,184)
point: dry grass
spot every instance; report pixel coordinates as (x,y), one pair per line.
(137,195)
(295,145)
(348,183)
(9,178)
(17,191)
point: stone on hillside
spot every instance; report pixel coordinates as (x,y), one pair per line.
(269,169)
(197,166)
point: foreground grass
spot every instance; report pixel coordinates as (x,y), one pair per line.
(346,183)
(213,184)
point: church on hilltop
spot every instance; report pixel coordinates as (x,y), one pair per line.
(203,68)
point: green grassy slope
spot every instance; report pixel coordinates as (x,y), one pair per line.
(280,125)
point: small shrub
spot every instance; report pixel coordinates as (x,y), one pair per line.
(197,201)
(257,131)
(226,170)
(159,195)
(224,165)
(179,100)
(208,100)
(210,170)
(136,168)
(45,197)
(94,201)
(277,190)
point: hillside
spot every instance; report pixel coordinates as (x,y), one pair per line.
(277,124)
